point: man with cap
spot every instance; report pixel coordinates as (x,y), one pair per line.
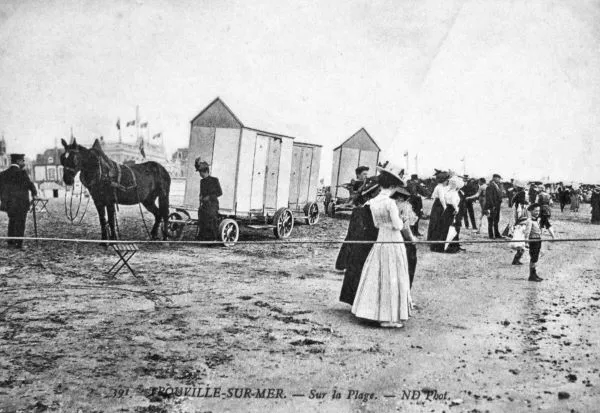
(493,203)
(416,190)
(470,190)
(208,213)
(15,186)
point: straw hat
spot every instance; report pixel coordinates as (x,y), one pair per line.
(393,170)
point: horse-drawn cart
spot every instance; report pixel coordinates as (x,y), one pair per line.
(254,169)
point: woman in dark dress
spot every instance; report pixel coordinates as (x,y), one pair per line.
(434,231)
(595,201)
(352,257)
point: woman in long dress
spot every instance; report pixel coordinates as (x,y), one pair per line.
(384,291)
(439,205)
(595,201)
(451,218)
(575,198)
(352,257)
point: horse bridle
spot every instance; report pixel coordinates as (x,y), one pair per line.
(78,167)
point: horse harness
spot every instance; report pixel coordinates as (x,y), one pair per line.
(116,184)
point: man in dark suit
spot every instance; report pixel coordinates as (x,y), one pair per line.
(471,187)
(493,202)
(208,213)
(416,190)
(15,186)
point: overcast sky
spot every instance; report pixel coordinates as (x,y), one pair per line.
(511,86)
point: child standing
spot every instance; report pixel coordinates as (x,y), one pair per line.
(533,232)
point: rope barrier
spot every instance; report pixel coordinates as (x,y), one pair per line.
(294,241)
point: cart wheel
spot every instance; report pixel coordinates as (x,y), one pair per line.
(311,210)
(229,232)
(175,229)
(284,223)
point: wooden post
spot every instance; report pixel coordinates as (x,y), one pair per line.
(34,218)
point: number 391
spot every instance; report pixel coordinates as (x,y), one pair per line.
(119,393)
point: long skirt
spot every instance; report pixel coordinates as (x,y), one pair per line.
(434,229)
(575,202)
(352,257)
(447,220)
(208,221)
(384,291)
(595,212)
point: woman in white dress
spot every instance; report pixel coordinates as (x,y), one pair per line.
(383,294)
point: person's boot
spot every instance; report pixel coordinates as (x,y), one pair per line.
(517,259)
(533,275)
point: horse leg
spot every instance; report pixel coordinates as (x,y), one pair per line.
(102,217)
(110,208)
(163,209)
(151,206)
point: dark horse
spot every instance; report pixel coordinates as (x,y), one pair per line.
(110,184)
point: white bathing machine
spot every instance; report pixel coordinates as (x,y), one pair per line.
(253,167)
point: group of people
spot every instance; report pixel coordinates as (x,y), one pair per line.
(379,275)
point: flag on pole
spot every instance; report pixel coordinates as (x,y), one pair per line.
(142,151)
(406,154)
(119,123)
(158,135)
(144,125)
(131,123)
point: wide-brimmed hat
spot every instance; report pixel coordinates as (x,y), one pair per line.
(16,157)
(441,176)
(519,184)
(393,170)
(497,176)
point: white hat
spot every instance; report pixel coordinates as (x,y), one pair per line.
(393,170)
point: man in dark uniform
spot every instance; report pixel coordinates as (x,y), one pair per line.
(416,190)
(469,190)
(208,213)
(510,192)
(15,186)
(493,203)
